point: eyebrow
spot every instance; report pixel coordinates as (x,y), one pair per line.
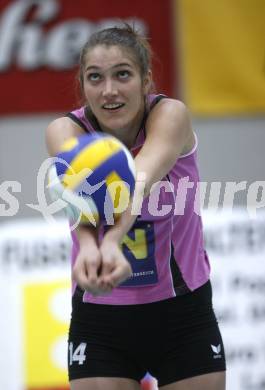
(112,67)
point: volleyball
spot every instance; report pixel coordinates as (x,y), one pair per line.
(95,175)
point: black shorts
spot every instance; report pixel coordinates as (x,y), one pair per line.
(173,339)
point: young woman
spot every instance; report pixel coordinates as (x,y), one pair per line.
(159,319)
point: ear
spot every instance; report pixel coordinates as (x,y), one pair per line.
(147,82)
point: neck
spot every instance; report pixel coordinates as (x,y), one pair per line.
(126,135)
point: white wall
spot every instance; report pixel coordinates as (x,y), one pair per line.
(230,149)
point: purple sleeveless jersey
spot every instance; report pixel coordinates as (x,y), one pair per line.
(165,246)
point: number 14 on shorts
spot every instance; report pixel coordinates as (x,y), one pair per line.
(77,355)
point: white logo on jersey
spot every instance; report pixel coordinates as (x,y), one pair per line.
(216,349)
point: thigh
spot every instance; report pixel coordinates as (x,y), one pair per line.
(212,381)
(104,383)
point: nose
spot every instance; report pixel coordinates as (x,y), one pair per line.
(110,88)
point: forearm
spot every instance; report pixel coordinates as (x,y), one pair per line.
(157,156)
(128,217)
(151,173)
(121,226)
(87,235)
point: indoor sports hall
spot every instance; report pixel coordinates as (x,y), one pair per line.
(210,54)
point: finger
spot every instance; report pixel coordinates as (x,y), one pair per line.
(85,273)
(92,270)
(101,292)
(107,261)
(102,283)
(107,267)
(105,287)
(119,275)
(80,276)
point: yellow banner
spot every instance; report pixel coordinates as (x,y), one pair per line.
(222,51)
(46,330)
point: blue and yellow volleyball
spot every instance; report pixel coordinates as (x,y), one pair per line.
(97,177)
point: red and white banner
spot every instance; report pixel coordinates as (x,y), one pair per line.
(40,42)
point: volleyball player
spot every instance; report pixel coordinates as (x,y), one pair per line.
(142,298)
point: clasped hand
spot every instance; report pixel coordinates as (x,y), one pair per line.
(98,269)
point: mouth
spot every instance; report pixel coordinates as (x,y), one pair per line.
(112,106)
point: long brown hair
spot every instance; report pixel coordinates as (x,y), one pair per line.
(127,38)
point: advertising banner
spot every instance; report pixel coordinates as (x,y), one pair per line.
(222,55)
(35,300)
(40,43)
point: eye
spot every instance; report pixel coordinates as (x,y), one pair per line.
(93,76)
(123,74)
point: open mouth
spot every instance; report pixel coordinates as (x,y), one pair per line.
(112,106)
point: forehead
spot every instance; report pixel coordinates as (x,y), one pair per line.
(105,57)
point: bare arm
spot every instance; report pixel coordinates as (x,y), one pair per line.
(59,131)
(89,259)
(89,264)
(56,134)
(169,133)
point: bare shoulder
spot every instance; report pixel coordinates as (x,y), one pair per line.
(171,116)
(58,131)
(180,113)
(65,126)
(173,105)
(171,109)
